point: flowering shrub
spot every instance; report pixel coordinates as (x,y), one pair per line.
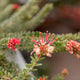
(41,48)
(28,17)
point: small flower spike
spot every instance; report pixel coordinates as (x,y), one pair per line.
(12,42)
(73,47)
(64,72)
(42,79)
(77,56)
(43,47)
(15,6)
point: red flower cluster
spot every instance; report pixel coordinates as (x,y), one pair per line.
(12,42)
(42,79)
(15,6)
(43,47)
(73,47)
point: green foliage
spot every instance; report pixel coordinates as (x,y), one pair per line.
(27,17)
(25,38)
(7,69)
(21,19)
(58,77)
(3,4)
(8,10)
(36,20)
(25,74)
(27,44)
(5,75)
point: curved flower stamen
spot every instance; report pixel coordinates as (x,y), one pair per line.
(47,35)
(40,37)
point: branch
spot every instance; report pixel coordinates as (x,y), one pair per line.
(17,18)
(6,12)
(3,4)
(36,20)
(26,37)
(25,74)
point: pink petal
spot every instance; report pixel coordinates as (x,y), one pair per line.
(32,52)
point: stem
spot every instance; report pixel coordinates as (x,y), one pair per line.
(6,78)
(30,69)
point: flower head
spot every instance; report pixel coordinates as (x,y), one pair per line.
(77,56)
(42,79)
(12,42)
(43,47)
(64,72)
(15,6)
(73,47)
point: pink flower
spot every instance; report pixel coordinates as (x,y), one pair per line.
(43,47)
(64,72)
(42,79)
(73,47)
(77,56)
(15,6)
(12,42)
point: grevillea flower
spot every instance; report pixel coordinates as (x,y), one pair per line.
(73,47)
(77,56)
(64,72)
(42,79)
(43,47)
(15,6)
(12,42)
